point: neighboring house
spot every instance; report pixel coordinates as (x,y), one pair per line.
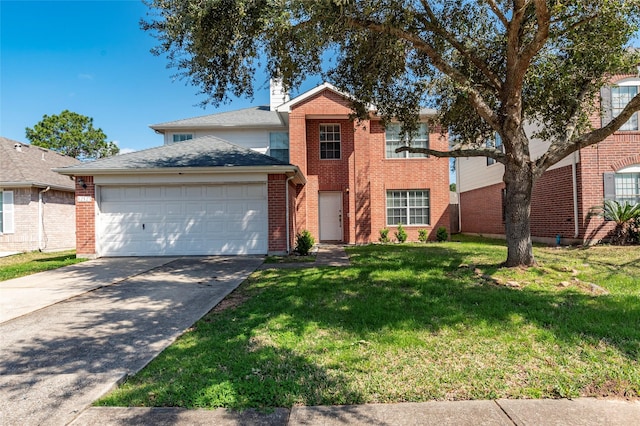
(37,209)
(246,181)
(564,196)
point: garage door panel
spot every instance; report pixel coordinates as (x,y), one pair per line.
(183,220)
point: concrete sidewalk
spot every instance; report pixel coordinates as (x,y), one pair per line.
(578,412)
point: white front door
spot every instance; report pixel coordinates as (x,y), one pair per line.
(330,214)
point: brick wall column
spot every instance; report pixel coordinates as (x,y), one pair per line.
(298,157)
(85,218)
(277,213)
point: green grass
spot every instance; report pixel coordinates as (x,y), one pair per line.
(23,264)
(411,323)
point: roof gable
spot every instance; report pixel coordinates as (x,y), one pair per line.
(286,107)
(24,164)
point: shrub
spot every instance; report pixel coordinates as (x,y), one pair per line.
(625,215)
(401,234)
(384,235)
(441,234)
(304,242)
(423,236)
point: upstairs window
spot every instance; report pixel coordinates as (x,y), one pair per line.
(620,97)
(279,146)
(495,142)
(329,141)
(181,137)
(393,141)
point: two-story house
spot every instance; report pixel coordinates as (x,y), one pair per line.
(246,181)
(564,196)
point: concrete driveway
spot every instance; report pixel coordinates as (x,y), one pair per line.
(58,359)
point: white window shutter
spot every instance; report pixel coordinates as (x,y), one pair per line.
(7,212)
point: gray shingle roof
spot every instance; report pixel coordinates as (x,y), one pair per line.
(259,116)
(31,165)
(205,151)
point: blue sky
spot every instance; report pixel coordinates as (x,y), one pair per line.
(91,57)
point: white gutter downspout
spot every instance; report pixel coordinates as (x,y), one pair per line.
(286,209)
(41,218)
(574,181)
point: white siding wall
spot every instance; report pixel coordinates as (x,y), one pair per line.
(473,173)
(256,139)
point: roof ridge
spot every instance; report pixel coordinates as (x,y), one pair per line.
(209,115)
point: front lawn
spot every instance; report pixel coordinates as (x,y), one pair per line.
(20,265)
(411,323)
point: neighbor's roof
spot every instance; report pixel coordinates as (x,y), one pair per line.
(24,165)
(206,153)
(256,117)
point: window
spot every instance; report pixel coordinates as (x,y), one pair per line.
(6,212)
(279,146)
(394,141)
(627,187)
(620,97)
(495,142)
(181,137)
(329,141)
(408,207)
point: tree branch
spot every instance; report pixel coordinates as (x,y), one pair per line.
(496,10)
(557,152)
(432,25)
(457,152)
(543,19)
(484,110)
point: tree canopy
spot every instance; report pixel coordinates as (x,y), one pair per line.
(489,66)
(71,134)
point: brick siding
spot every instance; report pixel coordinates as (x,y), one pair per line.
(552,201)
(58,221)
(86,219)
(362,174)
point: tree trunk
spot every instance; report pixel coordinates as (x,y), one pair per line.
(517,204)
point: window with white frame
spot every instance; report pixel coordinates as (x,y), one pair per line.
(620,97)
(329,141)
(279,146)
(181,137)
(627,187)
(494,142)
(393,141)
(408,207)
(6,212)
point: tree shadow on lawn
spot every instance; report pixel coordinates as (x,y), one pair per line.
(434,293)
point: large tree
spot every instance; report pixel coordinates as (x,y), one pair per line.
(489,66)
(71,134)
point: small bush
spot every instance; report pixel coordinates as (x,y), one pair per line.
(441,234)
(423,236)
(401,234)
(384,235)
(304,242)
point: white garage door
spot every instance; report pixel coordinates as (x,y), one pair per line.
(183,220)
